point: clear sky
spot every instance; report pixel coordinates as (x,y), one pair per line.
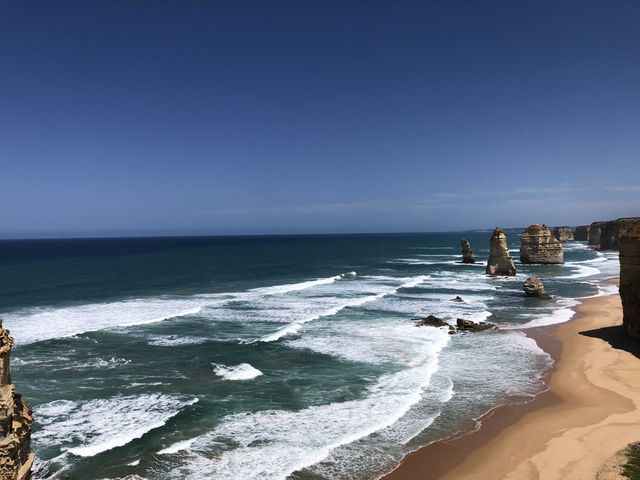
(157,117)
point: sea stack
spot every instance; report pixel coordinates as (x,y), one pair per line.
(467,253)
(533,287)
(500,262)
(630,280)
(594,234)
(16,458)
(582,233)
(611,232)
(538,245)
(564,234)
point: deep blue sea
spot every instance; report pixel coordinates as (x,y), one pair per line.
(268,357)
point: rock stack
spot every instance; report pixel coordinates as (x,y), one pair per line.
(594,234)
(533,287)
(564,234)
(16,458)
(582,233)
(611,232)
(467,253)
(500,262)
(538,245)
(630,280)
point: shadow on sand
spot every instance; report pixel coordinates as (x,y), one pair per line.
(616,337)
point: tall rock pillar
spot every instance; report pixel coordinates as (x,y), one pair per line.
(630,280)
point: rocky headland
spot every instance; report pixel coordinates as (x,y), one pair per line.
(582,233)
(538,245)
(594,234)
(16,458)
(630,280)
(467,253)
(500,261)
(610,232)
(564,234)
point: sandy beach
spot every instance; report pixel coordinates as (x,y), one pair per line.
(591,411)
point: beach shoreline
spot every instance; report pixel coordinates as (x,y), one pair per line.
(590,410)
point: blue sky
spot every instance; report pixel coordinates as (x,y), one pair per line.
(155,117)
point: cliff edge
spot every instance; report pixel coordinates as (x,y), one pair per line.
(630,280)
(16,458)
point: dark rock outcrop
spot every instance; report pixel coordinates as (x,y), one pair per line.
(611,232)
(467,253)
(16,458)
(431,321)
(594,234)
(469,326)
(500,262)
(533,287)
(630,280)
(538,245)
(564,234)
(582,233)
(458,299)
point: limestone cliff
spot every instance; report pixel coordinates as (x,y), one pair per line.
(538,245)
(611,231)
(582,233)
(16,458)
(564,234)
(467,253)
(594,234)
(500,262)
(630,280)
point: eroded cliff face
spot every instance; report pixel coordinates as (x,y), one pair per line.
(594,234)
(538,245)
(611,232)
(16,458)
(564,234)
(630,280)
(500,261)
(582,233)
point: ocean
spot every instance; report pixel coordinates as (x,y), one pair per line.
(269,357)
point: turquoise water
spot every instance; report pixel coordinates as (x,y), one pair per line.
(267,357)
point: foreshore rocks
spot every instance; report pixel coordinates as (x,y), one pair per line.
(611,232)
(533,287)
(538,245)
(467,253)
(582,233)
(564,234)
(630,280)
(462,325)
(16,420)
(500,262)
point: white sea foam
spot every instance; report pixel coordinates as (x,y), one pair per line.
(175,340)
(243,371)
(87,428)
(295,287)
(178,447)
(272,444)
(38,324)
(297,325)
(560,315)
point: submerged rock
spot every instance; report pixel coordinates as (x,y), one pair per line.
(564,234)
(500,262)
(467,253)
(470,326)
(16,419)
(582,233)
(630,280)
(458,299)
(610,232)
(533,287)
(538,245)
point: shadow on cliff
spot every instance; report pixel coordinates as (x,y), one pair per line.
(616,337)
